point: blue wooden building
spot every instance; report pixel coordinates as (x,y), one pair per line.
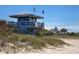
(27,23)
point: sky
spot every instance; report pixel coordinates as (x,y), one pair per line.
(62,16)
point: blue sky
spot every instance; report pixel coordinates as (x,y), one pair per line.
(62,16)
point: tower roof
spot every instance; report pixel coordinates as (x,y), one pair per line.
(26,15)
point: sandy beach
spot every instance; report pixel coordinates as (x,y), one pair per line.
(73,48)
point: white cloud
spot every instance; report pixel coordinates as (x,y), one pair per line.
(70,28)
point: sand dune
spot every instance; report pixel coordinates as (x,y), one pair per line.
(73,48)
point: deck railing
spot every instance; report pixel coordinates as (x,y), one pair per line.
(30,24)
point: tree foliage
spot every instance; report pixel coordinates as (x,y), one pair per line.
(63,30)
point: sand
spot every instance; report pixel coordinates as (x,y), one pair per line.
(73,48)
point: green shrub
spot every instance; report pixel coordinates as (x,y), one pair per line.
(73,34)
(43,32)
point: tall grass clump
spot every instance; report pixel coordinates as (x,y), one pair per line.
(34,42)
(5,34)
(53,41)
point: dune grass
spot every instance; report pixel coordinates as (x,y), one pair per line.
(34,41)
(66,37)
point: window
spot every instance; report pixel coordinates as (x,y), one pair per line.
(24,19)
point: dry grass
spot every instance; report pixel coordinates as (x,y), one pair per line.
(66,37)
(27,40)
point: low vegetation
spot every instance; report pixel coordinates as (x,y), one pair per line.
(16,42)
(35,42)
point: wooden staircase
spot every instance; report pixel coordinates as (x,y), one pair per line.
(19,29)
